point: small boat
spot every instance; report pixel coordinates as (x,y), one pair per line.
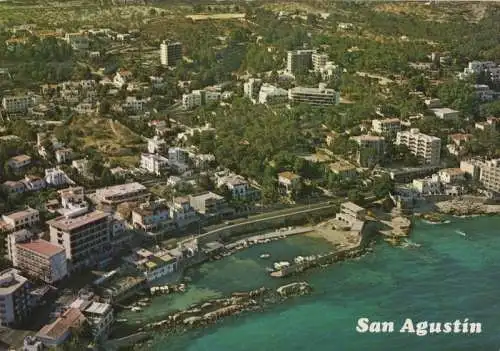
(122,320)
(460,233)
(265,255)
(269,269)
(136,309)
(182,288)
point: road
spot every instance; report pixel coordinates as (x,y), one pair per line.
(267,216)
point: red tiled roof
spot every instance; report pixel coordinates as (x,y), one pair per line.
(69,319)
(42,247)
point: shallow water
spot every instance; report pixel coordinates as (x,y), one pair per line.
(451,276)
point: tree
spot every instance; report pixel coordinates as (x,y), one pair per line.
(355,196)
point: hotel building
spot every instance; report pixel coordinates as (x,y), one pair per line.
(86,238)
(42,260)
(427,148)
(170,53)
(314,96)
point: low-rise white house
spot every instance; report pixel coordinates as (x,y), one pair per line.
(445,113)
(34,183)
(56,177)
(451,175)
(427,186)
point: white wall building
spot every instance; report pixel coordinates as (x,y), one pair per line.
(388,126)
(269,94)
(314,96)
(425,147)
(42,260)
(156,145)
(154,163)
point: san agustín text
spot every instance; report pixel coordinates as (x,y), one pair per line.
(420,328)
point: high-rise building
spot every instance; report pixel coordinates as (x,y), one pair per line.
(170,53)
(85,238)
(299,61)
(427,148)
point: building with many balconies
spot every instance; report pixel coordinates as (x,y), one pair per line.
(427,148)
(86,238)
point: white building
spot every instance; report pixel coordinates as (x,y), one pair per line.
(199,98)
(133,104)
(451,175)
(388,126)
(18,104)
(490,174)
(20,220)
(182,212)
(178,155)
(156,145)
(484,93)
(319,60)
(445,113)
(99,315)
(288,181)
(78,41)
(153,265)
(42,260)
(12,239)
(425,147)
(269,94)
(15,297)
(154,163)
(63,155)
(153,217)
(427,186)
(239,187)
(251,88)
(314,96)
(114,195)
(56,177)
(170,53)
(121,78)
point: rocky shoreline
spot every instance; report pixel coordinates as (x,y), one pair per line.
(210,312)
(466,208)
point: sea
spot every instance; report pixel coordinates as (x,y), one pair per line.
(453,274)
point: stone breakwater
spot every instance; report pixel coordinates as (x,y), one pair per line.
(210,312)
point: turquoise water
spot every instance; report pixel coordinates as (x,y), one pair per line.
(449,277)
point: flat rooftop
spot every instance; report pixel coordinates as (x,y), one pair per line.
(98,308)
(22,214)
(42,247)
(68,224)
(10,281)
(121,189)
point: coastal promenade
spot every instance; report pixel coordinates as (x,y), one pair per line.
(265,221)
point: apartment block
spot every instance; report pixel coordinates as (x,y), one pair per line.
(445,113)
(153,217)
(156,145)
(199,98)
(18,104)
(15,298)
(42,260)
(20,220)
(269,94)
(425,147)
(154,163)
(170,53)
(209,204)
(85,238)
(489,174)
(314,96)
(319,60)
(299,61)
(388,126)
(117,194)
(12,239)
